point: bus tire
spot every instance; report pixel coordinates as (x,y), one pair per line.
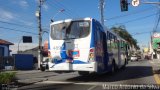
(42,68)
(113,69)
(124,66)
(83,73)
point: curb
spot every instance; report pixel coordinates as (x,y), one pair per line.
(156,71)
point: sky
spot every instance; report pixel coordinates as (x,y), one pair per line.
(17,17)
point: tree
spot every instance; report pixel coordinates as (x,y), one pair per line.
(122,32)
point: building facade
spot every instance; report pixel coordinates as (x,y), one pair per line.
(156,45)
(4,48)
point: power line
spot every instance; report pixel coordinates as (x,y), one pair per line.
(67,14)
(18,30)
(137,19)
(69,10)
(25,26)
(140,18)
(141,33)
(157,20)
(135,12)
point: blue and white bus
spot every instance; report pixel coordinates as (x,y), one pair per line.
(83,45)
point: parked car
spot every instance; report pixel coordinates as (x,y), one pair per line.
(134,58)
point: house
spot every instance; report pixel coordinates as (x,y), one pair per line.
(5,53)
(33,51)
(4,48)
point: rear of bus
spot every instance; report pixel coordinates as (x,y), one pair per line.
(71,46)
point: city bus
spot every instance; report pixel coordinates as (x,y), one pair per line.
(85,46)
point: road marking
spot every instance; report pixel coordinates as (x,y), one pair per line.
(56,82)
(157,79)
(66,82)
(91,88)
(91,83)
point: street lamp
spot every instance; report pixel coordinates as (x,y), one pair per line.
(62,10)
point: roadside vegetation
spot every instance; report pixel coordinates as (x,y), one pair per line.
(7,77)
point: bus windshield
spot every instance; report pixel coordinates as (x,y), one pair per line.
(70,30)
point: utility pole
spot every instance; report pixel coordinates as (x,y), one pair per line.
(102,6)
(38,15)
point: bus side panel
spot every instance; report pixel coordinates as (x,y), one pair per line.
(100,50)
(106,56)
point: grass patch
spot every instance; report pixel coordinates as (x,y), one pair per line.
(7,77)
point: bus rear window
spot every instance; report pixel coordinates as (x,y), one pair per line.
(70,30)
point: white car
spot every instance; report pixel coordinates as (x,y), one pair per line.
(134,58)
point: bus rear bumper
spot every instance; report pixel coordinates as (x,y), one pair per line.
(92,67)
(60,67)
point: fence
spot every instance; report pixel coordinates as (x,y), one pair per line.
(6,62)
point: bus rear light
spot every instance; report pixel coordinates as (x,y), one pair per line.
(91,50)
(49,54)
(91,55)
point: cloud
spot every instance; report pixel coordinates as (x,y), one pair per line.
(25,22)
(9,16)
(45,6)
(6,15)
(23,3)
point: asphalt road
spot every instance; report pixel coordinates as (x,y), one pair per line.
(137,75)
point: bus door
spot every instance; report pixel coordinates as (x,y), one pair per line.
(99,50)
(119,53)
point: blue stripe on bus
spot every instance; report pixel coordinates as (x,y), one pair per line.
(63,52)
(59,61)
(79,62)
(74,61)
(92,36)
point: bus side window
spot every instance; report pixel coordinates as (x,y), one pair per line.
(108,41)
(121,44)
(111,39)
(115,42)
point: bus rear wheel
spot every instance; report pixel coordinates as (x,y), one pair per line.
(83,73)
(113,69)
(124,66)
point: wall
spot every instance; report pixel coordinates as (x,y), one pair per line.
(6,49)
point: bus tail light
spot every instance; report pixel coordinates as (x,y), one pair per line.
(91,55)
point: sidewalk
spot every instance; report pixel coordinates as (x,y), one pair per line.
(31,80)
(155,64)
(156,69)
(24,71)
